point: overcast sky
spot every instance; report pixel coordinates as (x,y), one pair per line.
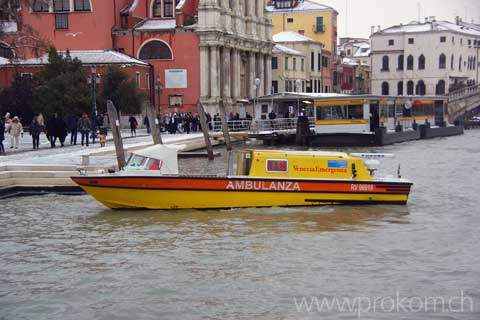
(362,14)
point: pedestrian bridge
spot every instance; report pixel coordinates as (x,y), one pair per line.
(462,101)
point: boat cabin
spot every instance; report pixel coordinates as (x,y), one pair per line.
(158,159)
(299,164)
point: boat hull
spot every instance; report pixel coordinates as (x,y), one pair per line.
(213,193)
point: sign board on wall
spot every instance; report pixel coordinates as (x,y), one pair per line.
(176,78)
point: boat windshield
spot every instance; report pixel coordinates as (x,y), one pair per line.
(135,162)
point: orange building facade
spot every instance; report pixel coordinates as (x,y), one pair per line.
(157,34)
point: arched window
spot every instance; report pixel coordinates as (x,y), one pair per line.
(410,88)
(385,63)
(421,62)
(440,88)
(163,8)
(474,66)
(420,88)
(6,51)
(452,62)
(385,89)
(442,61)
(400,88)
(410,62)
(155,50)
(400,62)
(460,64)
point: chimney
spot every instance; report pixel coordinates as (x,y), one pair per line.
(457,20)
(426,19)
(372,30)
(432,18)
(379,28)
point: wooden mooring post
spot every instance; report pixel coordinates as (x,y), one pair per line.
(223,116)
(206,134)
(117,136)
(154,125)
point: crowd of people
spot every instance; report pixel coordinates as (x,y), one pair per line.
(55,128)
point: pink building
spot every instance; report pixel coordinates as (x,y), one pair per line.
(153,41)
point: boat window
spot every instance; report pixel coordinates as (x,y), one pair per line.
(423,110)
(136,161)
(340,112)
(154,164)
(277,166)
(387,111)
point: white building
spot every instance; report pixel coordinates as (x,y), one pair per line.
(430,58)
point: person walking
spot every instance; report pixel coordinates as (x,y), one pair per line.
(50,128)
(15,130)
(84,126)
(61,130)
(35,130)
(2,135)
(72,125)
(133,125)
(146,123)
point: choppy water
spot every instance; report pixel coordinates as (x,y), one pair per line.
(64,257)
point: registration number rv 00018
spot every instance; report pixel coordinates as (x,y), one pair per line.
(362,187)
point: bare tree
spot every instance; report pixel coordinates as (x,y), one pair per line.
(16,32)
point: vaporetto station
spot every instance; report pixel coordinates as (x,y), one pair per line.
(361,120)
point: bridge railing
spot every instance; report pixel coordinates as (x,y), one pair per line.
(277,124)
(464,93)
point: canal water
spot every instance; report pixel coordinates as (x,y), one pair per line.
(68,257)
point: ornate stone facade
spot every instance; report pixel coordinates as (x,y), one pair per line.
(235,49)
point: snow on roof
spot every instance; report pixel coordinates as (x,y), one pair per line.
(278,48)
(88,57)
(305,5)
(416,27)
(350,62)
(156,24)
(130,7)
(4,61)
(291,36)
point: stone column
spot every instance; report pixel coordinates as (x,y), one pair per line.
(261,74)
(251,75)
(214,74)
(204,72)
(251,8)
(225,74)
(268,74)
(260,8)
(235,73)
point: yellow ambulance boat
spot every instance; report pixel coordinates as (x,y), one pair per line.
(256,178)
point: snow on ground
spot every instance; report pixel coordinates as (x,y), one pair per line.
(71,154)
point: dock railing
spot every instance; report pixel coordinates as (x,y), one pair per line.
(280,124)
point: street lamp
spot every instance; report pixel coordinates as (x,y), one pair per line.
(256,85)
(93,80)
(159,86)
(298,84)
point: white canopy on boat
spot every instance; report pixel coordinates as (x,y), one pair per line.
(166,153)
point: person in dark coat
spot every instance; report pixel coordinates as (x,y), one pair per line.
(35,130)
(146,123)
(2,135)
(72,124)
(133,125)
(61,130)
(51,131)
(84,126)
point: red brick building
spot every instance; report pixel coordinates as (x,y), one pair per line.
(153,40)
